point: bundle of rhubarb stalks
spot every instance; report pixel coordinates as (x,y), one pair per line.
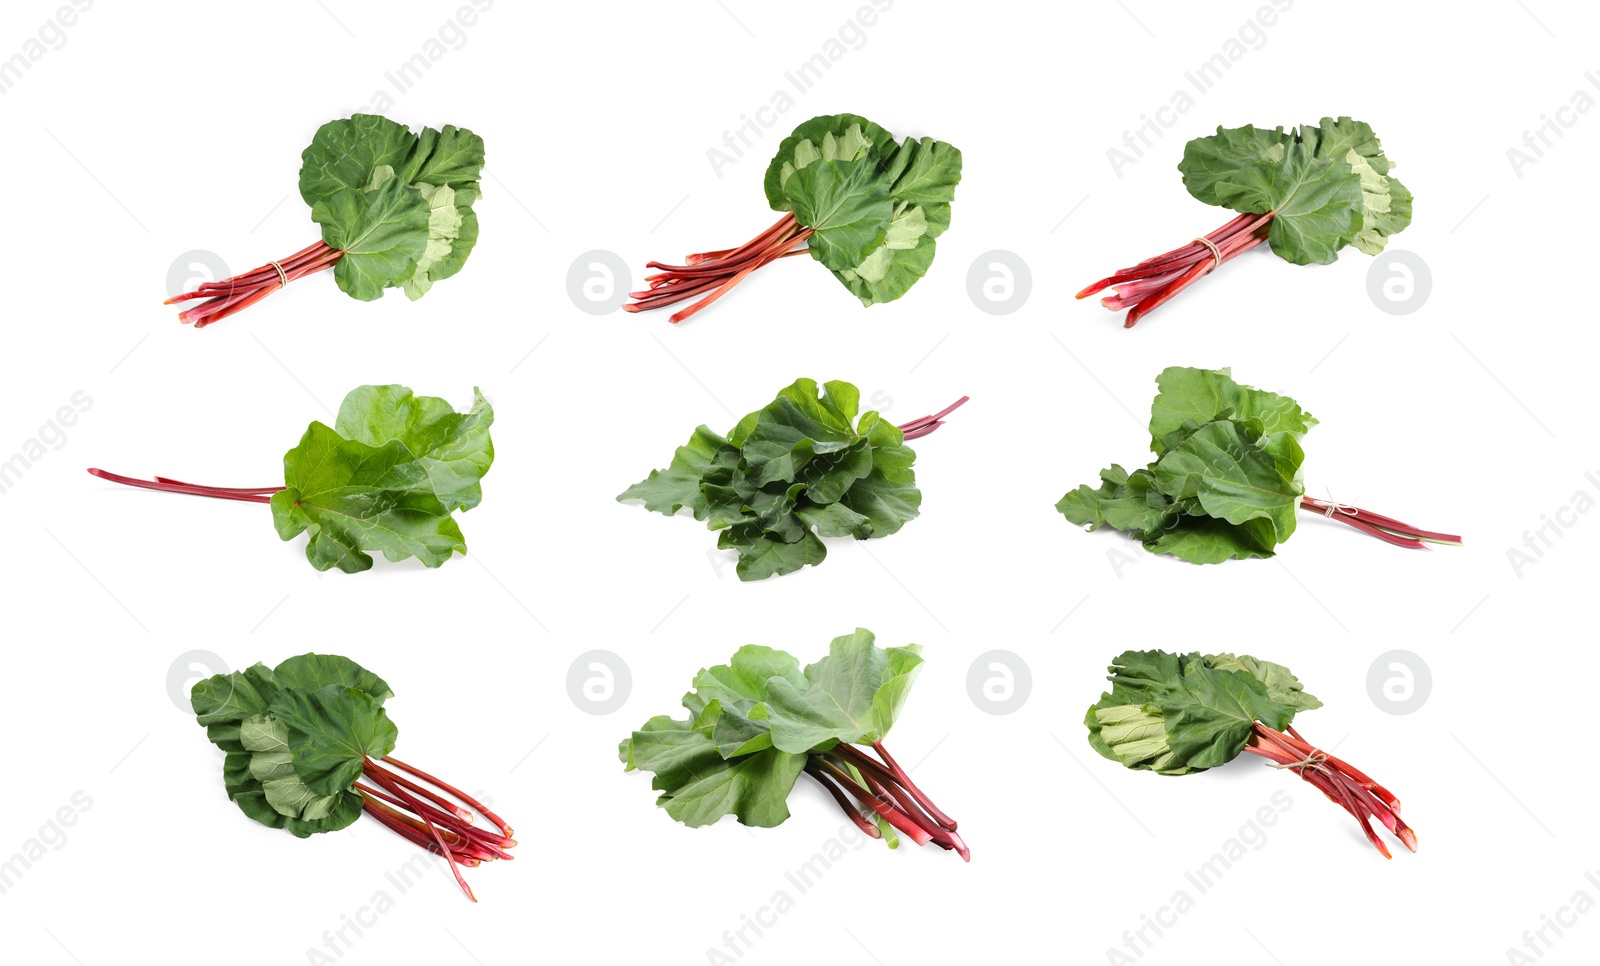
(1144,287)
(1179,714)
(230,295)
(1308,192)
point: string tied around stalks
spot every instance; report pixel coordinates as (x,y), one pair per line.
(1216,253)
(283,277)
(1334,506)
(1313,760)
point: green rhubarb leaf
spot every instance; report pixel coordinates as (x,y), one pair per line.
(344,153)
(808,465)
(833,137)
(1281,684)
(272,764)
(222,701)
(1203,540)
(740,686)
(761,556)
(399,204)
(835,520)
(1385,202)
(923,177)
(852,695)
(1232,477)
(1202,395)
(1316,201)
(889,271)
(797,427)
(444,224)
(670,490)
(847,206)
(332,731)
(1217,169)
(1205,715)
(453,449)
(311,671)
(887,504)
(1121,501)
(451,156)
(924,174)
(1211,713)
(354,497)
(698,786)
(1135,736)
(383,234)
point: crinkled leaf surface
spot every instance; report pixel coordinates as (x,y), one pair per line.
(453,449)
(312,671)
(382,232)
(1386,203)
(1184,393)
(1226,483)
(272,764)
(1317,201)
(344,153)
(1231,476)
(222,701)
(332,730)
(399,204)
(740,750)
(1175,713)
(833,137)
(1281,684)
(698,786)
(852,695)
(355,497)
(739,687)
(808,465)
(1329,185)
(847,206)
(923,177)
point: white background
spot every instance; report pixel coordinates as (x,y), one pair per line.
(158,129)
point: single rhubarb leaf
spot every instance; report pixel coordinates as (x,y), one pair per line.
(332,731)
